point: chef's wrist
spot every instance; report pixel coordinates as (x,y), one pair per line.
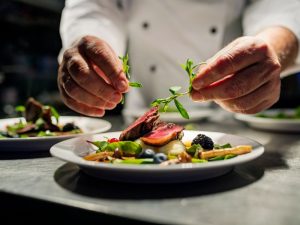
(284,43)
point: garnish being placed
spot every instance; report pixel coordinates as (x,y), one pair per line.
(189,67)
(151,141)
(39,121)
(126,68)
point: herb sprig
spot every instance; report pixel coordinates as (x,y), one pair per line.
(189,67)
(126,68)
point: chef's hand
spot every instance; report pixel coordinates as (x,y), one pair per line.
(91,78)
(244,77)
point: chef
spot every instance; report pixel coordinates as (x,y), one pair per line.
(246,44)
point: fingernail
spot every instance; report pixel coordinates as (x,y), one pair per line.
(197,97)
(122,85)
(198,84)
(115,97)
(109,105)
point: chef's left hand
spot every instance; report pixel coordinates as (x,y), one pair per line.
(244,77)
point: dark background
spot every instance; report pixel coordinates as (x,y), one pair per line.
(30,43)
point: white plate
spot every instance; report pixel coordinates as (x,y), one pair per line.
(88,126)
(173,117)
(284,125)
(74,149)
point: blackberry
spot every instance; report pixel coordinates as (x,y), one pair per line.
(69,127)
(205,142)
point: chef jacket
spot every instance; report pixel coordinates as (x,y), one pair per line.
(160,35)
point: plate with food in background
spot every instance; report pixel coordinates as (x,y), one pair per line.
(151,150)
(42,126)
(282,120)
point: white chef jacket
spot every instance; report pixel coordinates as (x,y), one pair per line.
(161,34)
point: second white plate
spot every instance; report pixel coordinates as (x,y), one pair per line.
(270,124)
(32,144)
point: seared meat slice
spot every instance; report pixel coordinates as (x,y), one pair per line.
(48,120)
(33,110)
(163,134)
(141,126)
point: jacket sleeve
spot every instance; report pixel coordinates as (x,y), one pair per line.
(261,14)
(105,19)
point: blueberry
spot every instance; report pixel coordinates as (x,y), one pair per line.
(159,158)
(147,153)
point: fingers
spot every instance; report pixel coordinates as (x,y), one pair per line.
(103,56)
(77,106)
(87,79)
(239,84)
(241,54)
(78,93)
(261,99)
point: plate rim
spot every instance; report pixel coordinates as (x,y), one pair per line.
(138,168)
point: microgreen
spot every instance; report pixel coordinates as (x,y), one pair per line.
(126,67)
(20,108)
(189,67)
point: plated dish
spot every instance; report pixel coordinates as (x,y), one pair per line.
(150,150)
(280,120)
(40,129)
(39,121)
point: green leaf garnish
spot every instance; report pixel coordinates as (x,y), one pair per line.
(135,84)
(174,89)
(227,145)
(20,108)
(189,67)
(54,113)
(181,109)
(126,67)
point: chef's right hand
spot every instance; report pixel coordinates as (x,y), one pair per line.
(91,77)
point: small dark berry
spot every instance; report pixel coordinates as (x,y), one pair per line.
(69,127)
(159,158)
(147,153)
(203,140)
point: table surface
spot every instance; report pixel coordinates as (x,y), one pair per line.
(265,191)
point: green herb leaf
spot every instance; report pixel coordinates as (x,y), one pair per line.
(55,113)
(227,145)
(229,156)
(189,68)
(129,148)
(217,158)
(181,109)
(199,160)
(194,149)
(101,145)
(135,84)
(39,123)
(134,161)
(122,100)
(20,108)
(126,67)
(174,89)
(158,102)
(165,108)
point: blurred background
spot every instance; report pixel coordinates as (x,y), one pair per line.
(30,43)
